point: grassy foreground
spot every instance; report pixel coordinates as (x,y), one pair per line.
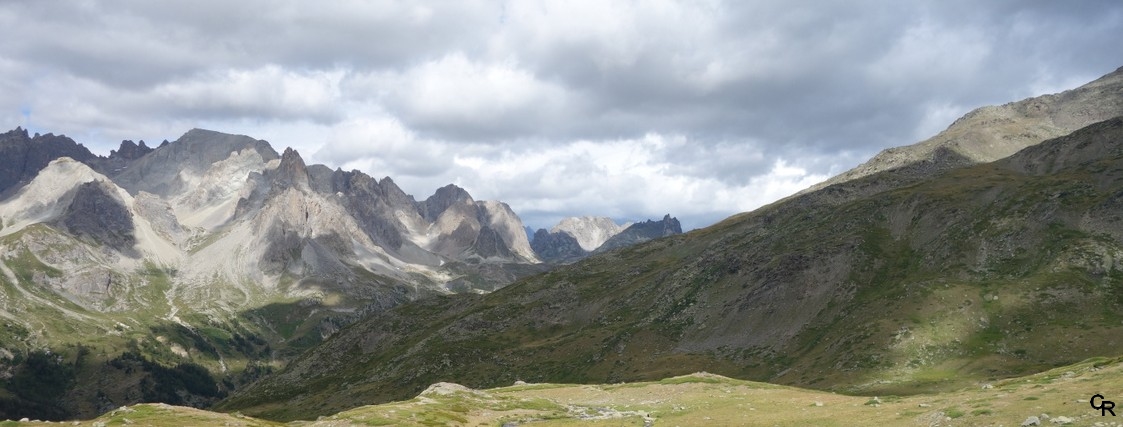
(1057,397)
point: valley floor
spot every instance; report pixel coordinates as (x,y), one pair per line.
(1057,397)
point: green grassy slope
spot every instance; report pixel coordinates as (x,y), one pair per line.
(982,273)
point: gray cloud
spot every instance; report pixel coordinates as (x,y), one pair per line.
(628,109)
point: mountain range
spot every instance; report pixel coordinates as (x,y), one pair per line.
(228,208)
(927,275)
(212,270)
(215,248)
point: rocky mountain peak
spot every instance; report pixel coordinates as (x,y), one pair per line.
(292,172)
(671,226)
(177,166)
(214,146)
(394,194)
(130,150)
(440,201)
(291,161)
(17,132)
(22,157)
(453,193)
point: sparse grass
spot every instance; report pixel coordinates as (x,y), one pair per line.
(700,400)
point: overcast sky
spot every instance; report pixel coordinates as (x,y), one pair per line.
(700,109)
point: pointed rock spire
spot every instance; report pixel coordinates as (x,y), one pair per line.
(292,171)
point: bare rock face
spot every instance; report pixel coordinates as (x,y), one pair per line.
(232,218)
(557,246)
(507,226)
(96,214)
(454,221)
(369,203)
(489,244)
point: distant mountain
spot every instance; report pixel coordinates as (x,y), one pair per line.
(590,232)
(214,255)
(641,232)
(578,237)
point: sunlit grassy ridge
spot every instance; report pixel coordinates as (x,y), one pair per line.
(1055,397)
